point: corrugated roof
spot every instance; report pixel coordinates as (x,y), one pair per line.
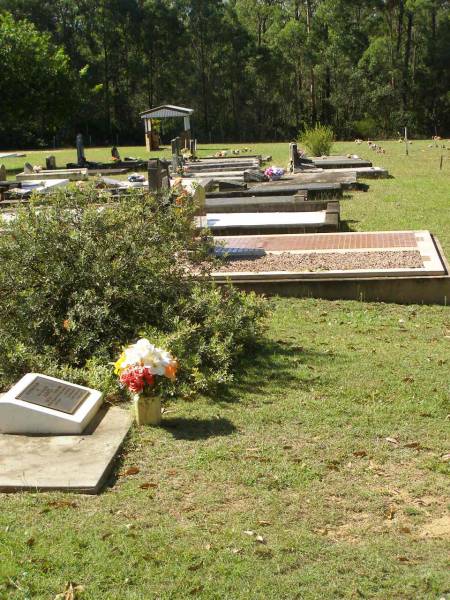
(167,110)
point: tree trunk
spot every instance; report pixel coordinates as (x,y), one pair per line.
(401,11)
(407,58)
(312,84)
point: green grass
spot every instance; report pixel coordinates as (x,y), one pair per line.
(296,450)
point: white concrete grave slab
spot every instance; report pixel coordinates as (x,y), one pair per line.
(70,463)
(42,405)
(41,186)
(223,220)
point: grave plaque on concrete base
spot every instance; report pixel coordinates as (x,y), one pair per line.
(38,404)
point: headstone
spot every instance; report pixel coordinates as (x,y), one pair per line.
(50,162)
(192,148)
(38,404)
(115,153)
(28,168)
(175,145)
(158,175)
(2,173)
(81,159)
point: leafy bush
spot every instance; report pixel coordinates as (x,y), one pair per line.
(318,140)
(79,281)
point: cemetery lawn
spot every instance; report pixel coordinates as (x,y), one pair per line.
(320,473)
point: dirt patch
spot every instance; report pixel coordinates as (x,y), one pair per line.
(315,261)
(438,528)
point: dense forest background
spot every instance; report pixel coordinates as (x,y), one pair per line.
(251,69)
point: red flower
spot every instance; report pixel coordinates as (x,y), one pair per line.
(136,378)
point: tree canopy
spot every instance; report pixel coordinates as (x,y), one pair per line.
(251,69)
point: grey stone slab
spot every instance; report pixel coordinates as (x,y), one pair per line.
(340,162)
(73,463)
(265,204)
(286,187)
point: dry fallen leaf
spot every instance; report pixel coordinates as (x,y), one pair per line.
(403,559)
(260,539)
(287,446)
(445,457)
(30,541)
(236,550)
(360,453)
(414,445)
(264,523)
(249,532)
(405,530)
(130,471)
(148,485)
(392,440)
(71,592)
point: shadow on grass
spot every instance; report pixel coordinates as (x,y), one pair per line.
(273,362)
(198,429)
(345,226)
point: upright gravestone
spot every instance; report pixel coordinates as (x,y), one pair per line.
(81,159)
(192,148)
(50,162)
(28,168)
(158,175)
(176,158)
(2,173)
(154,175)
(293,157)
(38,404)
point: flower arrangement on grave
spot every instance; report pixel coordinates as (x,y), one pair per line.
(274,173)
(138,367)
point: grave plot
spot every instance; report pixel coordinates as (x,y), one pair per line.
(297,203)
(71,174)
(288,186)
(301,163)
(41,186)
(347,179)
(271,222)
(340,162)
(55,435)
(399,266)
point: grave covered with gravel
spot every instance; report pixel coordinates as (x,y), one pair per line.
(326,261)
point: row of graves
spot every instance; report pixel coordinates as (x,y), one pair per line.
(283,236)
(278,237)
(275,233)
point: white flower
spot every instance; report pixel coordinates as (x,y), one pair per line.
(145,354)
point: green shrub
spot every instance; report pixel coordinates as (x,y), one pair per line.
(78,282)
(318,140)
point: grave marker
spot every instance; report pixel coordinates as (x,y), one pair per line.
(38,404)
(81,159)
(158,175)
(50,162)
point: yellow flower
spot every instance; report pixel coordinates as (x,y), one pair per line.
(118,364)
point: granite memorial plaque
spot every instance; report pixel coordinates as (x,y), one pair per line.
(56,395)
